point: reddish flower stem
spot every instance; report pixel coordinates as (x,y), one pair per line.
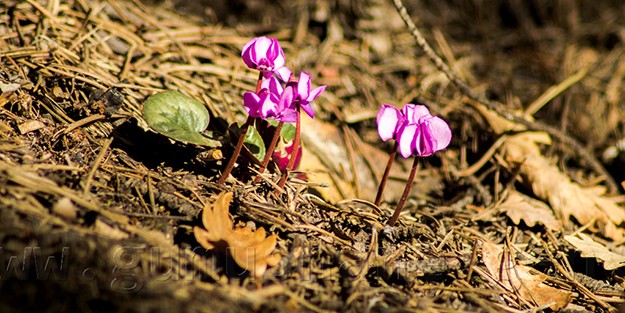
(296,143)
(270,150)
(241,141)
(404,196)
(389,164)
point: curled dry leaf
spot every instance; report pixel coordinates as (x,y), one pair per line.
(567,198)
(251,250)
(592,249)
(521,280)
(521,207)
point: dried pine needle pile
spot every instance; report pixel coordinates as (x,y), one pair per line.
(509,219)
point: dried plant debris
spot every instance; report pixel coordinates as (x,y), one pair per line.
(251,250)
(592,249)
(522,280)
(78,169)
(533,212)
(567,198)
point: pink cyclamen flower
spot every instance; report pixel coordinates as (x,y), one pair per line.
(390,120)
(416,131)
(270,103)
(274,101)
(299,94)
(265,103)
(423,138)
(266,55)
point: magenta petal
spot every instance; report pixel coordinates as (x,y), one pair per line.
(251,103)
(279,59)
(388,119)
(287,116)
(261,47)
(272,50)
(284,73)
(315,93)
(414,112)
(273,85)
(286,99)
(424,142)
(248,45)
(303,85)
(439,130)
(406,138)
(308,109)
(267,107)
(247,58)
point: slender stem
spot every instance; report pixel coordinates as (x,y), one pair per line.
(259,83)
(270,150)
(404,196)
(296,143)
(237,151)
(241,141)
(389,164)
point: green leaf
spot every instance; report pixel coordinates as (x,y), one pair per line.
(288,131)
(178,117)
(272,122)
(254,142)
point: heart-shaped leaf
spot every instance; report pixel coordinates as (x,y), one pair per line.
(254,142)
(178,117)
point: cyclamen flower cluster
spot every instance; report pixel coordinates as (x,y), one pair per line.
(273,100)
(281,103)
(415,130)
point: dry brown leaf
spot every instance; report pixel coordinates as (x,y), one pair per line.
(566,198)
(592,249)
(251,250)
(521,207)
(519,278)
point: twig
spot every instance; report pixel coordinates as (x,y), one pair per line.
(499,108)
(96,165)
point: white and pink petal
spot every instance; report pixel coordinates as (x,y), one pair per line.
(388,120)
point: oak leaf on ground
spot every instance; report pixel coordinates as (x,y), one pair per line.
(592,249)
(521,279)
(251,250)
(521,207)
(567,198)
